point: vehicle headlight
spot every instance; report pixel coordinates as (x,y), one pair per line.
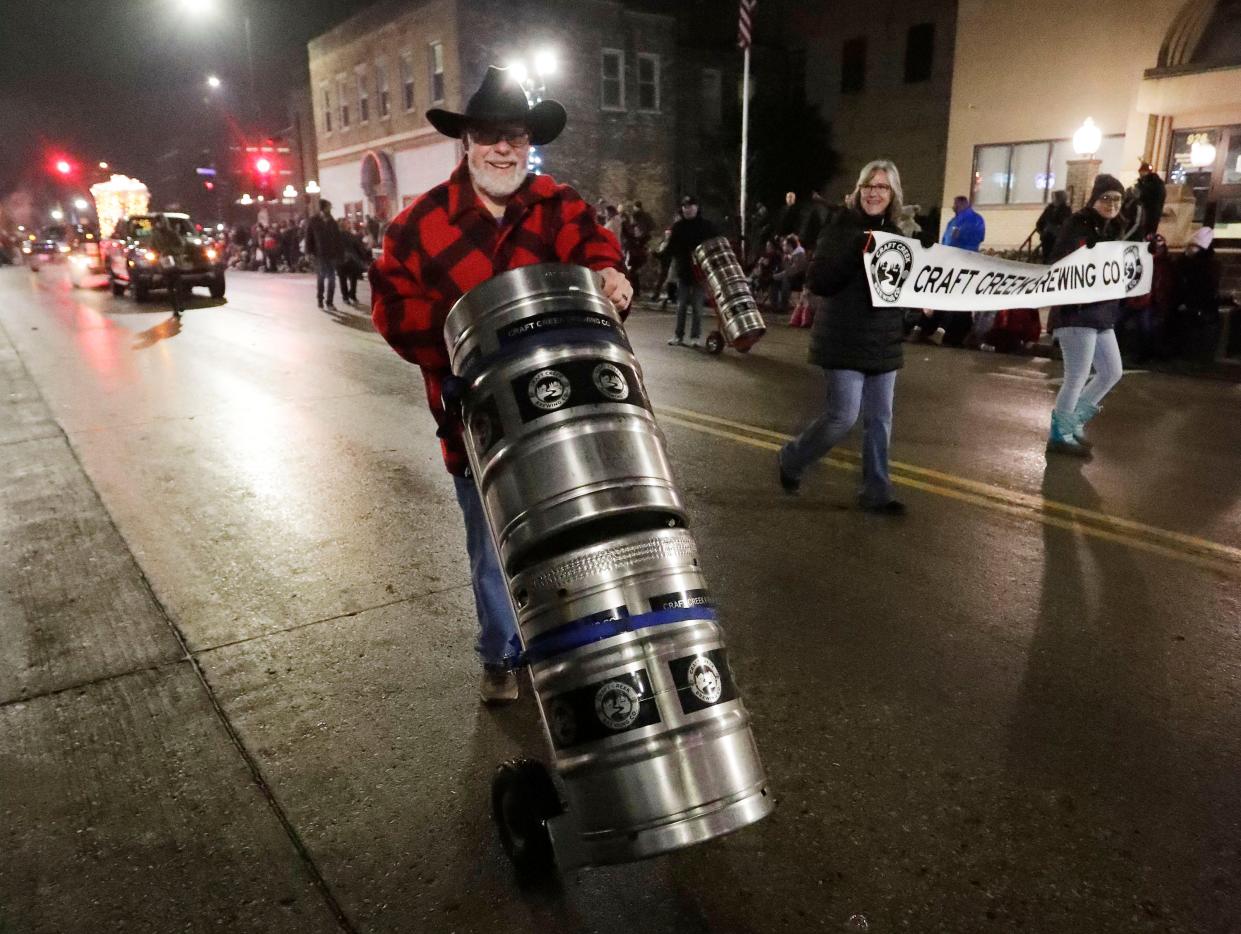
(63,248)
(25,248)
(150,256)
(211,253)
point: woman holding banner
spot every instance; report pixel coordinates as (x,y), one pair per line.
(857,343)
(1086,332)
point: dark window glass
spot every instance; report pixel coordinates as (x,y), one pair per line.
(853,66)
(919,52)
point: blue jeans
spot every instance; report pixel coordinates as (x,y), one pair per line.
(325,270)
(850,393)
(1083,347)
(689,294)
(498,641)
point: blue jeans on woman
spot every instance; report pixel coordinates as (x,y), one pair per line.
(851,393)
(1083,348)
(498,645)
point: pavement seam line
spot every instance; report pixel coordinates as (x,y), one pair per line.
(79,685)
(329,619)
(1015,509)
(991,491)
(251,764)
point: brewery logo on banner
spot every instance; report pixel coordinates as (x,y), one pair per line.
(574,383)
(617,704)
(549,390)
(702,680)
(610,381)
(1132,263)
(889,268)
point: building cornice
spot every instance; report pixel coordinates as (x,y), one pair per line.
(380,141)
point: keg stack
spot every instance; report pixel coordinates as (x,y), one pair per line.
(651,745)
(741,323)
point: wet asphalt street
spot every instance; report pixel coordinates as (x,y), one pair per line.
(237,690)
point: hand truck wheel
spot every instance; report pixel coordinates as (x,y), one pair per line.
(715,342)
(523,798)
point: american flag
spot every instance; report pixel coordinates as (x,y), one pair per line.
(746,23)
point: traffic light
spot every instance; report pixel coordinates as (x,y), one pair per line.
(61,166)
(264,174)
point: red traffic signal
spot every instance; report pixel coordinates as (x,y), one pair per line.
(263,165)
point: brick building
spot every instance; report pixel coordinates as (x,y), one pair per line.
(616,69)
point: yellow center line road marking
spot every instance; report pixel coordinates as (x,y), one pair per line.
(1186,548)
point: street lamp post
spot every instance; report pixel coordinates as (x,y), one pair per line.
(535,85)
(1083,170)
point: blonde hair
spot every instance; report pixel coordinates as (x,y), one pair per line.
(894,179)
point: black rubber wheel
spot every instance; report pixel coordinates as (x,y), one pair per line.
(715,342)
(523,798)
(118,287)
(216,288)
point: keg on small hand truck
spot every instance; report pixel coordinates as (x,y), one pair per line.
(740,322)
(651,745)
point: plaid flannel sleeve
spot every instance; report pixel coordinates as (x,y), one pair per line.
(583,241)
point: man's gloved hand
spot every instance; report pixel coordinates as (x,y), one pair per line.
(452,391)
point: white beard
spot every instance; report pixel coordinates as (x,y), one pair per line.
(495,183)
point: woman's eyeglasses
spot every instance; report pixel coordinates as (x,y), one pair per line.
(880,188)
(1110,199)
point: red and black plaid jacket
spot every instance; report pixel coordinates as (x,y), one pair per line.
(447,242)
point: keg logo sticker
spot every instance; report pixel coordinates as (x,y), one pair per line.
(549,390)
(562,722)
(890,268)
(702,680)
(611,382)
(617,705)
(601,710)
(1132,259)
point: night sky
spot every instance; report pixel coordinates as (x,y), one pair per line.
(114,79)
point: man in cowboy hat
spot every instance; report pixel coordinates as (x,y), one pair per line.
(490,216)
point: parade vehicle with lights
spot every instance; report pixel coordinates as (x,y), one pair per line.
(50,245)
(133,266)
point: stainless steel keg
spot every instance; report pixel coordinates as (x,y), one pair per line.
(559,428)
(740,320)
(649,734)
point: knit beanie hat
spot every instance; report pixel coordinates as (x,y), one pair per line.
(1102,185)
(1203,237)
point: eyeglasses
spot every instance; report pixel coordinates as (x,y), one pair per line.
(490,136)
(1110,199)
(880,188)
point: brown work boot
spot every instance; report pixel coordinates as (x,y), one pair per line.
(498,685)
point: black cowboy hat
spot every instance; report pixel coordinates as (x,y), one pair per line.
(500,99)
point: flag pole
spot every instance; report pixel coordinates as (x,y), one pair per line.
(745,136)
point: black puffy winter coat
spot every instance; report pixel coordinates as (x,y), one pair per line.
(849,332)
(1085,228)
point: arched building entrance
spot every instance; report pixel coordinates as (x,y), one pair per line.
(379,185)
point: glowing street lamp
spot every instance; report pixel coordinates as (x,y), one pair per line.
(213,82)
(58,214)
(1087,139)
(545,62)
(312,187)
(289,192)
(104,166)
(80,204)
(246,199)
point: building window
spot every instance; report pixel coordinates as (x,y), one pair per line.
(613,79)
(342,101)
(853,66)
(648,81)
(407,80)
(327,109)
(382,96)
(919,52)
(437,72)
(712,98)
(1027,173)
(364,97)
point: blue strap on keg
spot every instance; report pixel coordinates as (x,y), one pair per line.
(588,630)
(546,339)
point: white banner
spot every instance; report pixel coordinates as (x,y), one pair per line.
(904,273)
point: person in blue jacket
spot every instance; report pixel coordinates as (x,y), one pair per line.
(967,229)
